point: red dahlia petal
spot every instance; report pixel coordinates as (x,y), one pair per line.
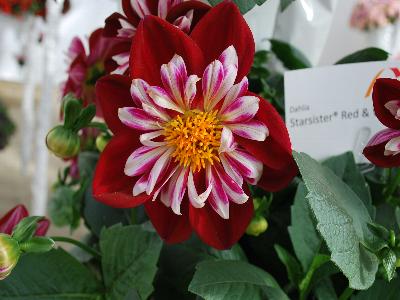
(12,218)
(155,43)
(112,25)
(199,10)
(375,154)
(275,152)
(386,90)
(113,92)
(171,227)
(43,227)
(218,232)
(110,185)
(222,27)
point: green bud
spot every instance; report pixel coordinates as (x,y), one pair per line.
(257,226)
(9,255)
(101,142)
(63,142)
(38,244)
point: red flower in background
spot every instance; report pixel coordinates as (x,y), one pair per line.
(383,149)
(21,7)
(14,216)
(182,13)
(86,68)
(174,134)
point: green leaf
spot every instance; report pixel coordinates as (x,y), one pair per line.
(64,207)
(364,55)
(244,5)
(305,240)
(345,167)
(381,289)
(378,230)
(318,261)
(342,220)
(325,290)
(87,163)
(177,265)
(230,280)
(291,57)
(285,3)
(129,260)
(389,262)
(85,117)
(72,109)
(397,215)
(54,275)
(293,267)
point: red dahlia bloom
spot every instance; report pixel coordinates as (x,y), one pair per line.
(182,13)
(86,68)
(14,216)
(188,135)
(383,149)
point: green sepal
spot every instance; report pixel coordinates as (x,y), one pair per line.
(26,229)
(37,244)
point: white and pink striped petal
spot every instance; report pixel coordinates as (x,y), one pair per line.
(164,6)
(142,160)
(392,147)
(122,60)
(162,99)
(235,92)
(218,199)
(140,7)
(137,118)
(241,110)
(158,170)
(252,130)
(197,201)
(185,22)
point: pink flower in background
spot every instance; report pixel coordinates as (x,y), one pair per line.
(369,14)
(182,13)
(87,67)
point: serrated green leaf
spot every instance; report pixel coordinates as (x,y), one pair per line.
(291,57)
(54,275)
(129,260)
(293,267)
(231,280)
(365,55)
(397,215)
(389,262)
(64,208)
(244,5)
(342,220)
(302,232)
(345,167)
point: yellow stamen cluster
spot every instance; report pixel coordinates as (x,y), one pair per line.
(196,138)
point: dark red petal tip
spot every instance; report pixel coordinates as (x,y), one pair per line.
(155,34)
(110,185)
(375,154)
(386,90)
(12,218)
(221,27)
(171,227)
(218,232)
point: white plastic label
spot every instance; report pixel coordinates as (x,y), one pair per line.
(329,109)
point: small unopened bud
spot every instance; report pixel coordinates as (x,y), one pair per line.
(101,142)
(9,255)
(257,226)
(63,142)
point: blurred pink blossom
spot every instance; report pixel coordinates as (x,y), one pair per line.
(370,14)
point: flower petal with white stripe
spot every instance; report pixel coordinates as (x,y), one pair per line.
(189,148)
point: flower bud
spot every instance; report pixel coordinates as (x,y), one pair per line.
(101,142)
(9,255)
(63,142)
(257,226)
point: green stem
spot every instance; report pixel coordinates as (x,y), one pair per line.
(84,247)
(101,126)
(346,294)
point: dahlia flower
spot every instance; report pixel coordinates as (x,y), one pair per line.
(188,135)
(383,149)
(86,68)
(14,216)
(181,13)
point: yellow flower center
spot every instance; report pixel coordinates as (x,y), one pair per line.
(196,137)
